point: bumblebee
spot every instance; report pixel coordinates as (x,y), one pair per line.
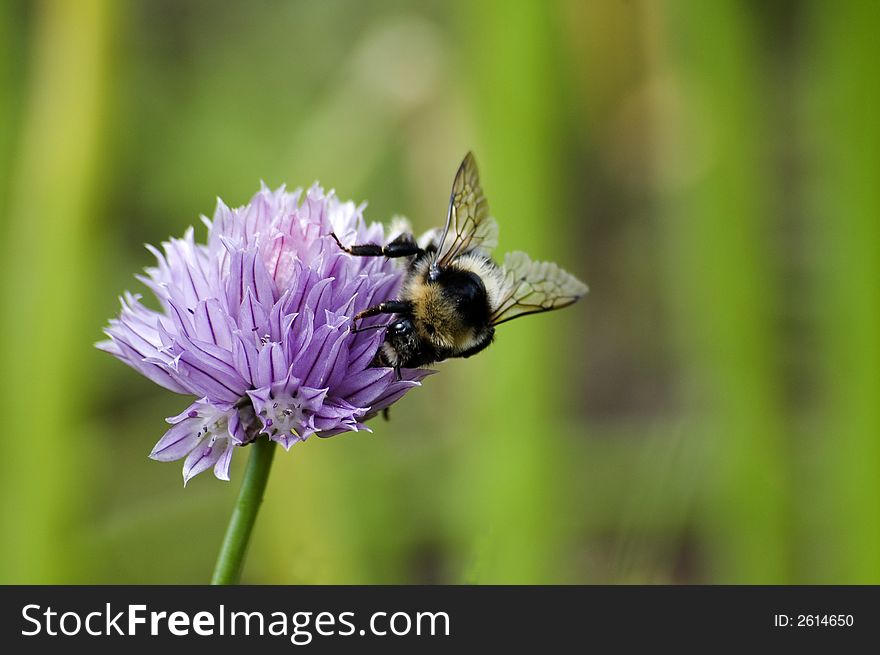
(453,293)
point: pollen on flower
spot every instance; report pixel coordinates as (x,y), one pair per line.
(255,323)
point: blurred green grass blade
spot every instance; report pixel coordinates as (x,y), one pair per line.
(723,285)
(511,496)
(841,87)
(11,53)
(332,515)
(45,464)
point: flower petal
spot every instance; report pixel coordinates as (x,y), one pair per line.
(221,467)
(179,441)
(202,458)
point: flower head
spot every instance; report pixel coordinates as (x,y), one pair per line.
(256,325)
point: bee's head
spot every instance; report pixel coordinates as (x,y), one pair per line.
(402,335)
(401,346)
(401,329)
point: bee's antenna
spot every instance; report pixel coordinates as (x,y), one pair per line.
(355,330)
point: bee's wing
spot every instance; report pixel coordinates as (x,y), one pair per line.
(530,287)
(468,224)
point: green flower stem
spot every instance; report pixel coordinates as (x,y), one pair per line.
(238,534)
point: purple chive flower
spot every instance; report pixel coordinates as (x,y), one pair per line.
(256,325)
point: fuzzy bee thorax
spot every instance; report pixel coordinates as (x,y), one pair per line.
(435,314)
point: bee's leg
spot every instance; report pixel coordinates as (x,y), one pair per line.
(403,246)
(388,307)
(397,373)
(386,414)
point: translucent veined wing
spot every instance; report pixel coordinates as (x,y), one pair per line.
(530,287)
(468,224)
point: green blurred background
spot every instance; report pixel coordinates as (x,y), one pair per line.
(708,414)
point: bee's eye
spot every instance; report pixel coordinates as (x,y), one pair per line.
(400,328)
